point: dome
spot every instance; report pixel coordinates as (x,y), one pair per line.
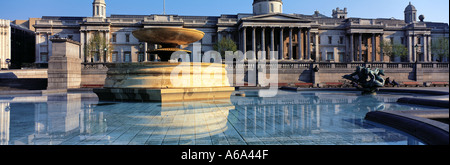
(410,7)
(267,6)
(257,1)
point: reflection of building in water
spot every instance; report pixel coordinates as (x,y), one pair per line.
(57,118)
(306,118)
(188,120)
(4,123)
(321,117)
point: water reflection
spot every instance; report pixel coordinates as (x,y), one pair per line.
(317,118)
(289,118)
(182,123)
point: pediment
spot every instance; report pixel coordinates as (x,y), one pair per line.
(276,17)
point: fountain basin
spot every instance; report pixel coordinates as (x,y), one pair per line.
(168,35)
(165,82)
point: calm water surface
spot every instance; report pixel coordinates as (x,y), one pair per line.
(290,118)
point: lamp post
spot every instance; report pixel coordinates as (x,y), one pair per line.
(105,51)
(141,52)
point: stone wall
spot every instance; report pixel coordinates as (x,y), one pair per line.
(93,75)
(290,73)
(22,74)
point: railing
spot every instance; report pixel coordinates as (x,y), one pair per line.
(94,66)
(322,65)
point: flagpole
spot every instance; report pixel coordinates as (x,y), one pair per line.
(164,7)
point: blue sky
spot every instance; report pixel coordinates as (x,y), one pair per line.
(434,10)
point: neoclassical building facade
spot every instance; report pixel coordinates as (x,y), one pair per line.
(297,37)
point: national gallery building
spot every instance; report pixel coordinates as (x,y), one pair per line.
(297,37)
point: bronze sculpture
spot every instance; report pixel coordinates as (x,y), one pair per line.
(367,80)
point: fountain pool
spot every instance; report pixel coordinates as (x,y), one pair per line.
(289,118)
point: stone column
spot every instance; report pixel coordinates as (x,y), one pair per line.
(316,42)
(424,43)
(272,42)
(430,57)
(254,43)
(299,40)
(244,42)
(360,47)
(263,44)
(352,48)
(410,51)
(290,45)
(145,52)
(413,47)
(381,48)
(37,50)
(281,50)
(374,50)
(83,42)
(308,45)
(108,40)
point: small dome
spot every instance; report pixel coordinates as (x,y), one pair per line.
(410,7)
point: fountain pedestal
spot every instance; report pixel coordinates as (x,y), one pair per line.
(165,82)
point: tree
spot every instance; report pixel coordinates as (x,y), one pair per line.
(98,45)
(439,48)
(226,44)
(394,50)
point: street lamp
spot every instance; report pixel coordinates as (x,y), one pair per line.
(141,52)
(106,50)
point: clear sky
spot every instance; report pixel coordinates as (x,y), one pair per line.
(434,10)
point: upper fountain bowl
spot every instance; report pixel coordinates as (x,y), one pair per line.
(168,35)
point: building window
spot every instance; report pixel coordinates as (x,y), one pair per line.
(341,40)
(44,57)
(98,10)
(330,40)
(96,57)
(70,37)
(127,37)
(392,40)
(330,56)
(213,38)
(402,40)
(141,57)
(115,57)
(127,57)
(341,57)
(419,41)
(114,38)
(272,8)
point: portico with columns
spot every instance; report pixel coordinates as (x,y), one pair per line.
(419,43)
(289,36)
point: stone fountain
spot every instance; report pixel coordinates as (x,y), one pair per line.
(166,81)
